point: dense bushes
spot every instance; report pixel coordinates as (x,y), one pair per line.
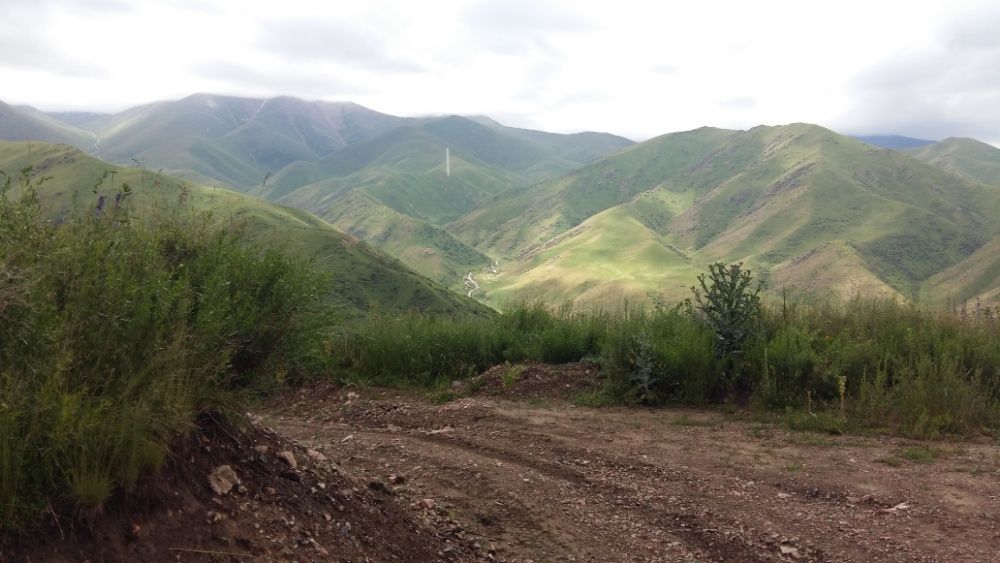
(866,362)
(115,332)
(422,349)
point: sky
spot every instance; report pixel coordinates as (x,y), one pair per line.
(635,68)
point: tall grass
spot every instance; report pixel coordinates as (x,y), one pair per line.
(420,349)
(872,362)
(116,331)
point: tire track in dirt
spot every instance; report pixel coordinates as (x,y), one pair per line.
(557,483)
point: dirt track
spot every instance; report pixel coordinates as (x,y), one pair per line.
(543,480)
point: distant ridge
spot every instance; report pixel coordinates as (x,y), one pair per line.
(973,159)
(897,142)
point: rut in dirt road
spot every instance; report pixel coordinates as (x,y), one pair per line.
(562,483)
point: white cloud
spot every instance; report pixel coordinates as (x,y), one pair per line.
(631,67)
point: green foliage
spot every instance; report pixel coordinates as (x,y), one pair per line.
(662,355)
(117,330)
(729,304)
(419,349)
(829,366)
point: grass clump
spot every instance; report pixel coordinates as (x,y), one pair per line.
(116,331)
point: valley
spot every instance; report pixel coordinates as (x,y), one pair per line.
(499,282)
(589,219)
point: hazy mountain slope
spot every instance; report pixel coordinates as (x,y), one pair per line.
(896,142)
(402,174)
(28,124)
(968,157)
(428,249)
(803,206)
(237,141)
(361,276)
(82,119)
(977,278)
(315,155)
(579,147)
(534,214)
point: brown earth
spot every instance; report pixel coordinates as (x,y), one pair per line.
(544,480)
(309,512)
(516,472)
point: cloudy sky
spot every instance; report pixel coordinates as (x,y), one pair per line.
(636,68)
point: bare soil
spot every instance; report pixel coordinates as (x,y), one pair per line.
(516,472)
(309,512)
(539,479)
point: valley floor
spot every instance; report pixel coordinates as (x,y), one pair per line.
(539,479)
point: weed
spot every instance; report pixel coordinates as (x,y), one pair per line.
(116,331)
(919,454)
(511,376)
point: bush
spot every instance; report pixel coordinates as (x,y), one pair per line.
(116,331)
(729,305)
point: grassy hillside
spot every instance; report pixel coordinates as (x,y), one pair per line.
(579,147)
(315,155)
(975,279)
(361,277)
(393,191)
(805,207)
(27,124)
(967,157)
(897,142)
(235,141)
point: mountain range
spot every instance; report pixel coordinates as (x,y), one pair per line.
(361,277)
(590,218)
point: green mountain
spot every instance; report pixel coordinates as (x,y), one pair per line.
(967,157)
(397,192)
(381,178)
(974,279)
(805,207)
(578,147)
(29,124)
(361,276)
(897,142)
(235,141)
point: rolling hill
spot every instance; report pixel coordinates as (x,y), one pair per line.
(967,157)
(897,142)
(361,277)
(382,178)
(28,124)
(805,207)
(230,140)
(396,191)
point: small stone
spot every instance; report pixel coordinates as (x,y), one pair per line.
(315,455)
(789,550)
(270,491)
(261,449)
(352,396)
(222,479)
(287,457)
(784,496)
(347,438)
(396,479)
(427,504)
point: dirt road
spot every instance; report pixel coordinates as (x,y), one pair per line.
(543,480)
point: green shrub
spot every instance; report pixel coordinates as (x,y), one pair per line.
(116,331)
(729,305)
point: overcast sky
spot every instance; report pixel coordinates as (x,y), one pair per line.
(636,68)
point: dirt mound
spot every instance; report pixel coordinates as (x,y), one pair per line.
(239,496)
(537,381)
